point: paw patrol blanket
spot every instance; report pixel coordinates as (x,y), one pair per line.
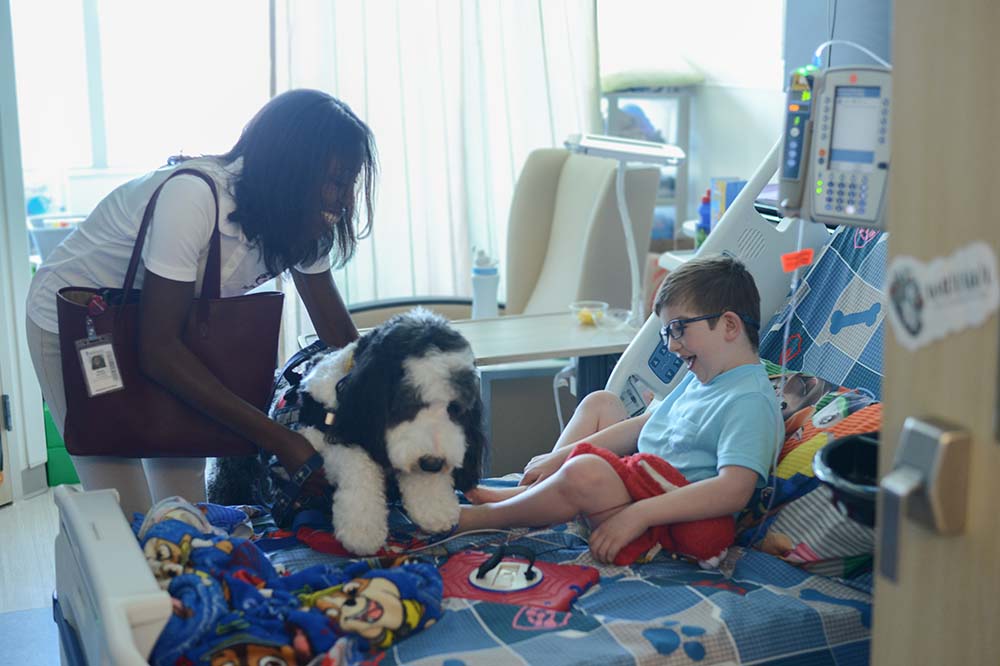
(232,606)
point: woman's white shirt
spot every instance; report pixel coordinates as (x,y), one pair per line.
(97,253)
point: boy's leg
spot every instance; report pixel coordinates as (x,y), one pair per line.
(586,484)
(486,494)
(596,411)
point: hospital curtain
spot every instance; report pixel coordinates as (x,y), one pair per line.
(457,92)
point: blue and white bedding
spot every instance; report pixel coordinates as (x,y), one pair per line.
(757,610)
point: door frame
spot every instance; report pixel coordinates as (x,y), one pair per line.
(17,376)
(943,605)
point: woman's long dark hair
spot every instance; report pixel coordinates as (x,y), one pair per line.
(307,161)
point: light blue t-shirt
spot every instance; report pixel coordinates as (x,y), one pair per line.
(732,420)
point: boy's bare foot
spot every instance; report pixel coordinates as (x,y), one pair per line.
(488,495)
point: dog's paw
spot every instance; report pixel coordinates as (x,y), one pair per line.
(429,500)
(362,538)
(434,513)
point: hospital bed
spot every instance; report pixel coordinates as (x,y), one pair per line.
(755,608)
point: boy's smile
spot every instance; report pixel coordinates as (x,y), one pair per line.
(698,345)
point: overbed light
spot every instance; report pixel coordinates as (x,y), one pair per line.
(627,150)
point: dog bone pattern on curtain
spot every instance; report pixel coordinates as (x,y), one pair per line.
(457,92)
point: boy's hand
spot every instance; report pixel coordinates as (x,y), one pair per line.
(544,465)
(617,532)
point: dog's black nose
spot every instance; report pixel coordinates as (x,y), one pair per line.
(431,464)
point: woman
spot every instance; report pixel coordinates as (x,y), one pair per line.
(288,199)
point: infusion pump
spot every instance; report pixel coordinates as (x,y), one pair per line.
(834,154)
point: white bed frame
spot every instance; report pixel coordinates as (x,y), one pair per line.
(104,586)
(105,589)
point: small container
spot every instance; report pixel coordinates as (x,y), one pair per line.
(485,284)
(849,466)
(589,313)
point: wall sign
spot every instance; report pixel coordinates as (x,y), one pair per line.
(950,294)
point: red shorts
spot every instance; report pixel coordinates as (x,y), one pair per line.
(646,475)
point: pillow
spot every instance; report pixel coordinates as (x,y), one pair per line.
(833,357)
(802,525)
(837,328)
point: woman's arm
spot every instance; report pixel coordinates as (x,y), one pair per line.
(326,308)
(164,358)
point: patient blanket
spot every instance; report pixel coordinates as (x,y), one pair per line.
(229,602)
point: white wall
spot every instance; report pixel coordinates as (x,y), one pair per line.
(732,129)
(736,45)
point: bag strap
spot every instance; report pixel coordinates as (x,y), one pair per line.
(211,285)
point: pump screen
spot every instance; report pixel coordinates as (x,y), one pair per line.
(855,128)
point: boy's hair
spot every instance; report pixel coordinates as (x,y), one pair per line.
(710,285)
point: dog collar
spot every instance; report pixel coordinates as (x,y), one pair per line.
(314,414)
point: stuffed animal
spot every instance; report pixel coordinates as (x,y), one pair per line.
(396,414)
(399,410)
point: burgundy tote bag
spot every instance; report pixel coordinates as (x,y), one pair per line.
(236,338)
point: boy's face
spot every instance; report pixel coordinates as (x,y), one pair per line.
(701,347)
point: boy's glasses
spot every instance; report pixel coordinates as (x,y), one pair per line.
(675,327)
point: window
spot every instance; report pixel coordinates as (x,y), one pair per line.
(108,89)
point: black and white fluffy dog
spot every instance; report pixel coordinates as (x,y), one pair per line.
(396,413)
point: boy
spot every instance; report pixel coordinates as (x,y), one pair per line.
(719,427)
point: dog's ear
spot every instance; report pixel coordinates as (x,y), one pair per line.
(363,397)
(467,476)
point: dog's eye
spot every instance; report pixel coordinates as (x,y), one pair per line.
(455,409)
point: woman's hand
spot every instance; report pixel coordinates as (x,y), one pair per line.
(544,465)
(617,532)
(293,450)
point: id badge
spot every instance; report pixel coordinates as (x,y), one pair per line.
(99,365)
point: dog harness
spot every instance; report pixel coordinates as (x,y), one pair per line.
(277,488)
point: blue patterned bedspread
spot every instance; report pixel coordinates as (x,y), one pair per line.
(667,611)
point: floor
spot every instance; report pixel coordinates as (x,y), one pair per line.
(27,579)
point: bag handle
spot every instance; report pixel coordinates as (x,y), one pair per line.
(211,284)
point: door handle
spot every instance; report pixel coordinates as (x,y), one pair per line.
(928,483)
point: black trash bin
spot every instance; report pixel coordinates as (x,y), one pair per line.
(849,466)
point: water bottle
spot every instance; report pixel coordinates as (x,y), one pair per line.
(704,224)
(485,282)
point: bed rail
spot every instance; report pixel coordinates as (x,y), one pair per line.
(105,589)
